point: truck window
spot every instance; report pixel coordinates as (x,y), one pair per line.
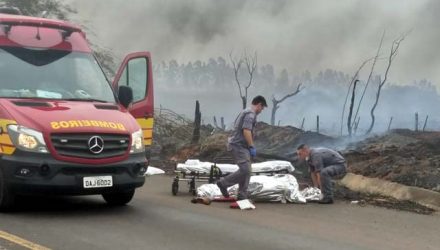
(135,76)
(51,74)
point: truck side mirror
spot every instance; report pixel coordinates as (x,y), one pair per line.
(125,95)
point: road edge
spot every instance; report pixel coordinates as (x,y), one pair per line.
(398,191)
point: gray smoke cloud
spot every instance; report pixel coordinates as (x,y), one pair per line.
(297,35)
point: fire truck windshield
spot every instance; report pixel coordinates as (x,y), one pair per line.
(52,74)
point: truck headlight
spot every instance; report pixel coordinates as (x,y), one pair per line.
(137,142)
(27,139)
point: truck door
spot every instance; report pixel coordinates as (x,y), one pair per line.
(136,72)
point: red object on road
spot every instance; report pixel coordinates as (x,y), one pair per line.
(223,199)
(234,205)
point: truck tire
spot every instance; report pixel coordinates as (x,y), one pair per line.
(7,198)
(118,198)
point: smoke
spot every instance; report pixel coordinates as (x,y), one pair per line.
(297,35)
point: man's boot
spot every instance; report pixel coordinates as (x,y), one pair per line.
(223,189)
(326,200)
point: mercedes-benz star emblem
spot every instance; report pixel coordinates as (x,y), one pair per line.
(96,144)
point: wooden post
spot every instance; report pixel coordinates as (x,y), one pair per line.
(215,122)
(426,121)
(197,120)
(389,124)
(317,124)
(302,124)
(417,122)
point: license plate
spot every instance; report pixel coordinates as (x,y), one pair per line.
(97,181)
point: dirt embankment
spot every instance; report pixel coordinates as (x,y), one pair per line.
(402,156)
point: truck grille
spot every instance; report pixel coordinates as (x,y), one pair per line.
(77,145)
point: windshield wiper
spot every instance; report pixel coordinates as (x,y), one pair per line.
(85,100)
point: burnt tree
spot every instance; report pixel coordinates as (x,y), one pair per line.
(350,110)
(355,77)
(370,75)
(393,52)
(222,123)
(276,103)
(251,65)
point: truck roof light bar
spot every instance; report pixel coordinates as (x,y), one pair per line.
(65,30)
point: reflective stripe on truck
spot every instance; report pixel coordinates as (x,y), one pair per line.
(6,146)
(146,125)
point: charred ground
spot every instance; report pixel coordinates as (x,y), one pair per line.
(402,156)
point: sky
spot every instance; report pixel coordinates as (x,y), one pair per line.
(297,35)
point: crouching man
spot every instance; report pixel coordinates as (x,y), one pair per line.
(324,164)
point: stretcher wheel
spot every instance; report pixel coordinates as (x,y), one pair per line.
(175,188)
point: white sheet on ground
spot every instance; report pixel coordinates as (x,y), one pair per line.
(194,165)
(311,193)
(153,171)
(277,188)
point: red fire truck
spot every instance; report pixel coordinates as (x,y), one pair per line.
(64,128)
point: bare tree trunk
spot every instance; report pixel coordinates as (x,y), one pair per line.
(244,101)
(197,120)
(251,66)
(389,124)
(356,125)
(276,103)
(370,75)
(394,48)
(350,112)
(424,125)
(355,77)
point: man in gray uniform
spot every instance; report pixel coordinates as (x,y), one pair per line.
(324,164)
(241,144)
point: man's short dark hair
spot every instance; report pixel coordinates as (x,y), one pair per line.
(302,146)
(259,99)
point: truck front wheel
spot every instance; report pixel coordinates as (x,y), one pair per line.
(118,198)
(7,198)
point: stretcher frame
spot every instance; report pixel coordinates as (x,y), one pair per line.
(214,175)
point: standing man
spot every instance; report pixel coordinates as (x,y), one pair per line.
(324,164)
(241,144)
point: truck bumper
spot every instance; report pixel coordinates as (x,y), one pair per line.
(41,174)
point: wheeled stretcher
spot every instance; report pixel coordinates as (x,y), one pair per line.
(193,171)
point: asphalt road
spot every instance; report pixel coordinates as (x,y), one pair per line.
(157,220)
